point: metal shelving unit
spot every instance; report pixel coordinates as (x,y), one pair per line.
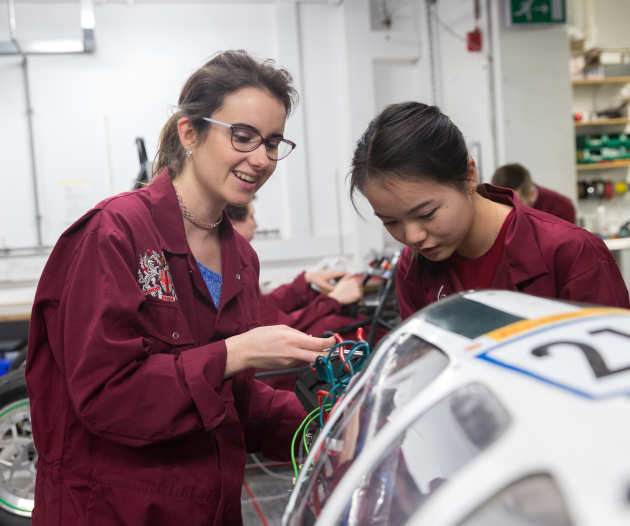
(603,80)
(603,122)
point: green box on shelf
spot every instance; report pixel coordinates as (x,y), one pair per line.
(581,141)
(587,156)
(610,154)
(624,153)
(580,157)
(595,156)
(596,141)
(616,139)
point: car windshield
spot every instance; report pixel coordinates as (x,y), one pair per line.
(435,446)
(467,317)
(532,501)
(410,365)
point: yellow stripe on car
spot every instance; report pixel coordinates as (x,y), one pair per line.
(525,325)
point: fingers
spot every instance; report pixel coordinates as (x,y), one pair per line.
(311,343)
(306,356)
(347,290)
(326,277)
(324,286)
(293,338)
(322,278)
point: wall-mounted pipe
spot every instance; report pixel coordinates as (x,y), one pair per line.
(29,121)
(434,53)
(45,47)
(31,142)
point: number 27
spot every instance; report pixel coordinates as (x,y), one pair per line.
(594,358)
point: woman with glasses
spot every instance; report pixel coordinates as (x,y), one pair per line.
(144,332)
(413,167)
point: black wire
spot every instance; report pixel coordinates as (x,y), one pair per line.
(281,372)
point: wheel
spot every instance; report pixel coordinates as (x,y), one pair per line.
(18,458)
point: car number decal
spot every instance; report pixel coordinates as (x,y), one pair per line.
(587,355)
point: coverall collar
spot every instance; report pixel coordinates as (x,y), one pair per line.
(170,223)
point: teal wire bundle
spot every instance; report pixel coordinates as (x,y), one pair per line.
(338,378)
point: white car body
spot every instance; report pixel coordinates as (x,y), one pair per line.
(481,393)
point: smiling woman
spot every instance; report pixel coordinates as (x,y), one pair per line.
(146,348)
(413,167)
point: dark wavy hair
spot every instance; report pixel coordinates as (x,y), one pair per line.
(410,140)
(204,93)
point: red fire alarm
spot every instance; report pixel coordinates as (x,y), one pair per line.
(473,40)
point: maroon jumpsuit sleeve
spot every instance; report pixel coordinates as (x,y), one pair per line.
(301,319)
(292,296)
(590,274)
(297,305)
(121,382)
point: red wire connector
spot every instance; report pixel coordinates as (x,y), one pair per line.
(321,396)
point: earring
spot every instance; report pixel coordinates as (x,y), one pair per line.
(187,153)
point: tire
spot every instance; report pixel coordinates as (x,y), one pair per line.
(19,361)
(18,458)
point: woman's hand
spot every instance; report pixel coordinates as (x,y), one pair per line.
(322,278)
(347,290)
(272,347)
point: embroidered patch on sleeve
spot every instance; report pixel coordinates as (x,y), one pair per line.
(155,277)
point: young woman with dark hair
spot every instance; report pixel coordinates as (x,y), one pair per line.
(145,328)
(413,167)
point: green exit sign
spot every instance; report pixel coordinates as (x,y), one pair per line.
(523,12)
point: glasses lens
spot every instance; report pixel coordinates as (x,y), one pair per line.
(278,149)
(244,139)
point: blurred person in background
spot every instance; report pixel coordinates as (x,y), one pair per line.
(518,178)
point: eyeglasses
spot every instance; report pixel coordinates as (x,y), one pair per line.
(247,139)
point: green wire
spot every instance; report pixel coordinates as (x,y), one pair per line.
(338,382)
(314,417)
(295,435)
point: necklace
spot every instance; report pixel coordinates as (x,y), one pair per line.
(189,215)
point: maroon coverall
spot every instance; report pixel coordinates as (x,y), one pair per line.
(132,418)
(554,203)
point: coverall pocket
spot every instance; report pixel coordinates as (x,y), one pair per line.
(165,327)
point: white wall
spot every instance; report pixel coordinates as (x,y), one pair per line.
(89,108)
(464,77)
(538,127)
